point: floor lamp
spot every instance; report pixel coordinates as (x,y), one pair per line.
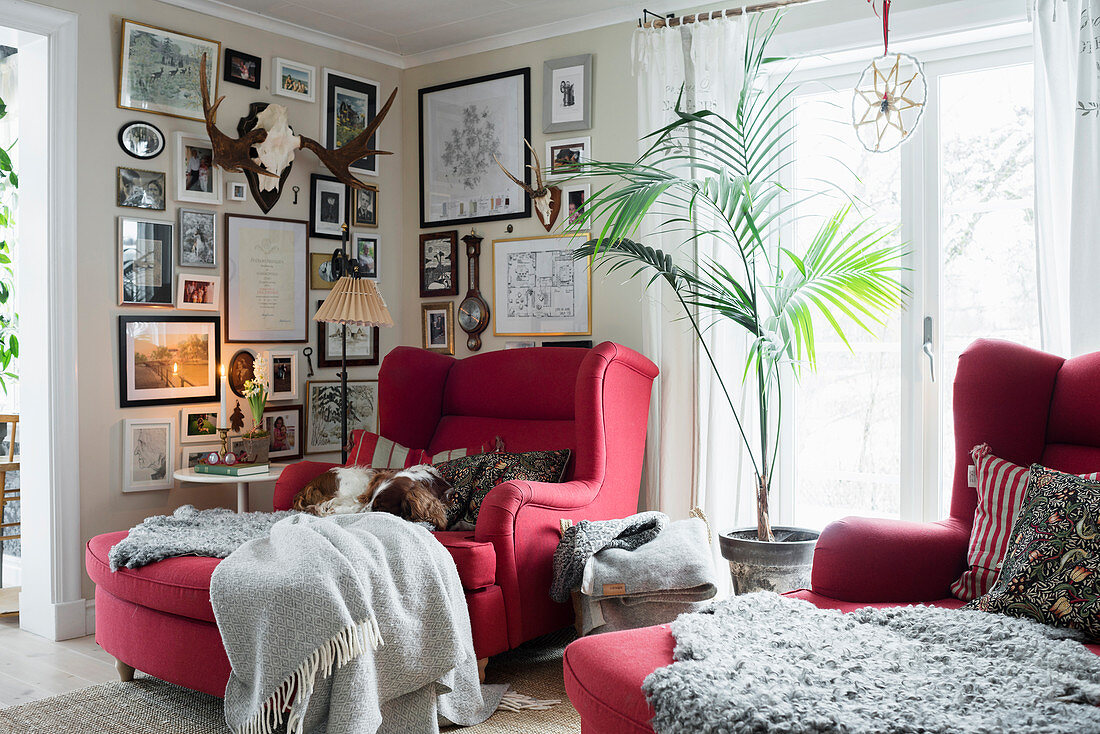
(353,300)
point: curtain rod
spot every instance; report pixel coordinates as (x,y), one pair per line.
(730,13)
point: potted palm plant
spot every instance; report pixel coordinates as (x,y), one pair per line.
(708,176)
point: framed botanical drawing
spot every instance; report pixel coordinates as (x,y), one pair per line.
(362,344)
(283,366)
(438,326)
(167,360)
(461,183)
(148,454)
(199,292)
(292,79)
(539,289)
(439,264)
(159,71)
(284,425)
(328,207)
(139,189)
(321,277)
(198,180)
(567,94)
(266,279)
(198,424)
(350,103)
(323,412)
(144,262)
(565,155)
(198,238)
(365,211)
(365,248)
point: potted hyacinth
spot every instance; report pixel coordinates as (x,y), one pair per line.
(257,442)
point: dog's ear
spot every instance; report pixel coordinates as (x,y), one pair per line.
(317,491)
(420,505)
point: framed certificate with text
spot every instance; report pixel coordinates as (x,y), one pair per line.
(266,284)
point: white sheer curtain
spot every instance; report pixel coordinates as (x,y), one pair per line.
(1067,169)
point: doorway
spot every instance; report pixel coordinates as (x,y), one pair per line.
(10,565)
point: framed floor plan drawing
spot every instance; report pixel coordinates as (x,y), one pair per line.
(539,289)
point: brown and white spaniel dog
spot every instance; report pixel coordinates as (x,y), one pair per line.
(416,494)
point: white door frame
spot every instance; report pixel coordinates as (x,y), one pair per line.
(51,604)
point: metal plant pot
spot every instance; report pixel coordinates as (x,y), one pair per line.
(781,566)
(257,449)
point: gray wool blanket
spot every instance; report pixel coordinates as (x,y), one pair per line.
(583,540)
(762,662)
(351,624)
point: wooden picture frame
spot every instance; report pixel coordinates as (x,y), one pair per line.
(364,213)
(145,272)
(149,78)
(148,454)
(282,365)
(328,207)
(323,412)
(567,94)
(287,441)
(346,94)
(198,425)
(194,185)
(269,300)
(527,294)
(241,68)
(437,325)
(362,344)
(149,346)
(139,188)
(293,79)
(199,292)
(438,265)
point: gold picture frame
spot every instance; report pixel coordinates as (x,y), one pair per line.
(518,309)
(166,74)
(318,263)
(433,318)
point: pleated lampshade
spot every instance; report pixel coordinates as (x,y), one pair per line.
(354,301)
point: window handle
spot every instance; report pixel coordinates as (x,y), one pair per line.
(928,348)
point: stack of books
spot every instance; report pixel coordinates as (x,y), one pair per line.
(236,470)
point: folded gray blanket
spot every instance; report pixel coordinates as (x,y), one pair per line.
(583,540)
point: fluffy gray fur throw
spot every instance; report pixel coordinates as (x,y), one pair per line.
(356,623)
(191,532)
(763,662)
(581,541)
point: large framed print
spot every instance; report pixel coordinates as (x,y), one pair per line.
(148,454)
(323,412)
(159,71)
(144,262)
(539,289)
(266,282)
(567,94)
(350,104)
(284,425)
(463,125)
(168,360)
(362,344)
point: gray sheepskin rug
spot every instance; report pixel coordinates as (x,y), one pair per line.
(767,663)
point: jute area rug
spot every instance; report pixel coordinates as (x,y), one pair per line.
(151,706)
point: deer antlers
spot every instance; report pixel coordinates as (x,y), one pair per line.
(547,199)
(539,190)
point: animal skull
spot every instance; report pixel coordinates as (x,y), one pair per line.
(276,152)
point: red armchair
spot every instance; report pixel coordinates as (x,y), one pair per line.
(158,618)
(1027,405)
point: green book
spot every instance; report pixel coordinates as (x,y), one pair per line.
(237,470)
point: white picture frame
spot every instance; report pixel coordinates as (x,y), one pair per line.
(198,292)
(192,454)
(574,195)
(236,191)
(578,150)
(539,289)
(198,239)
(293,73)
(148,454)
(191,432)
(323,412)
(283,386)
(198,179)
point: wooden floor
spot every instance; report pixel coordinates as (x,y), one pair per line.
(32,667)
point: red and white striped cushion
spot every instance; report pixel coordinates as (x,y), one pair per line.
(1001,489)
(378,452)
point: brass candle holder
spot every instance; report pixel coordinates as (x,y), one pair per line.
(223,433)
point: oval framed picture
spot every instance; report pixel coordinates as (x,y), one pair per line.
(141,139)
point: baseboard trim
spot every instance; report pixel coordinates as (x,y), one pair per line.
(62,621)
(89,617)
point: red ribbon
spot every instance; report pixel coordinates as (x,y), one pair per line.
(885,15)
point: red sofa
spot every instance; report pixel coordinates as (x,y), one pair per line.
(158,618)
(1027,405)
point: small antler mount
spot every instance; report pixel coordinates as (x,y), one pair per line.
(547,199)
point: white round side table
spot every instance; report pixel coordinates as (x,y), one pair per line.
(191,476)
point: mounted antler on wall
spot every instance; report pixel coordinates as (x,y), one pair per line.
(269,147)
(547,199)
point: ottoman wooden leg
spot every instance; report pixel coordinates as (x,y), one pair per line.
(480,669)
(125,672)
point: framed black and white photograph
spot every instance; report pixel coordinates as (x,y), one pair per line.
(236,191)
(362,344)
(567,94)
(573,199)
(350,104)
(292,79)
(168,360)
(321,275)
(365,210)
(438,326)
(439,264)
(199,424)
(148,454)
(365,248)
(284,425)
(539,289)
(242,68)
(328,207)
(565,155)
(159,71)
(283,367)
(266,279)
(144,262)
(323,412)
(198,238)
(142,140)
(199,292)
(140,189)
(460,181)
(198,180)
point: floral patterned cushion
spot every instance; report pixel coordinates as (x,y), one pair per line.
(473,476)
(1052,570)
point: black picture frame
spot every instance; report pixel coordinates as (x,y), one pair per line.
(423,272)
(324,359)
(126,397)
(131,261)
(334,82)
(230,72)
(158,139)
(524,74)
(315,181)
(572,344)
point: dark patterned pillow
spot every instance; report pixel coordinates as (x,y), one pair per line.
(1052,570)
(473,476)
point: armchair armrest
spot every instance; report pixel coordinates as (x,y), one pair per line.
(501,507)
(294,477)
(870,560)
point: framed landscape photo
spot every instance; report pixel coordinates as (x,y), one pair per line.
(321,277)
(323,412)
(362,344)
(438,326)
(198,238)
(365,210)
(539,289)
(266,291)
(462,126)
(328,207)
(191,455)
(567,94)
(144,262)
(159,71)
(283,367)
(198,180)
(365,248)
(292,79)
(139,189)
(198,424)
(564,156)
(148,454)
(199,292)
(439,264)
(284,425)
(166,360)
(242,68)
(350,104)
